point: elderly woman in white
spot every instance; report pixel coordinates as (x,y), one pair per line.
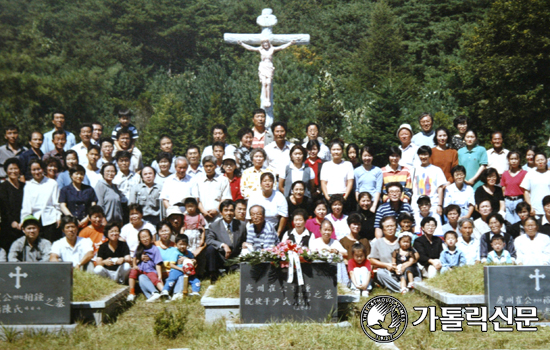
(532,248)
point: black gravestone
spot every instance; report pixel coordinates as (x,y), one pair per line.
(266,296)
(518,286)
(35,293)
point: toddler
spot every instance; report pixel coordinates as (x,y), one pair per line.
(451,257)
(498,255)
(405,258)
(178,270)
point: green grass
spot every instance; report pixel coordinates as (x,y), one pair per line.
(134,329)
(465,280)
(227,287)
(89,287)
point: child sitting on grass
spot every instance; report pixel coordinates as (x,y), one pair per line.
(178,270)
(498,255)
(451,257)
(147,261)
(405,258)
(359,268)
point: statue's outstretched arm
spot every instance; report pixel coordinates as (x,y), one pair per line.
(284,46)
(248,47)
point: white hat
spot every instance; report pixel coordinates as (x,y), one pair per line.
(173,210)
(229,156)
(404,126)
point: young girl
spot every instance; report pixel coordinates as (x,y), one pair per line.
(359,268)
(147,261)
(313,225)
(193,226)
(405,258)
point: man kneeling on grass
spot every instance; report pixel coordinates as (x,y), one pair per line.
(72,248)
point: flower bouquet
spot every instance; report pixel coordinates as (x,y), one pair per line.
(279,255)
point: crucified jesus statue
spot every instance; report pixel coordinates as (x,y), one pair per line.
(266,68)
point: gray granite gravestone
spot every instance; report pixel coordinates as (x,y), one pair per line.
(518,286)
(35,293)
(266,296)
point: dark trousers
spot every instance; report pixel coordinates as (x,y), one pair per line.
(214,259)
(51,232)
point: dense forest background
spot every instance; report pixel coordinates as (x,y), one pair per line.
(371,65)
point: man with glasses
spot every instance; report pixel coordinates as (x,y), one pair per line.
(393,207)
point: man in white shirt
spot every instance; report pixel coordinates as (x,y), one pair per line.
(77,250)
(312,132)
(497,157)
(82,147)
(193,155)
(409,157)
(428,180)
(426,136)
(278,151)
(58,121)
(124,142)
(177,186)
(125,178)
(262,135)
(212,189)
(219,133)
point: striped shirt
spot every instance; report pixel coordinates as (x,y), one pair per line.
(401,175)
(267,238)
(387,210)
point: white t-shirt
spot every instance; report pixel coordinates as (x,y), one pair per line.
(295,173)
(533,252)
(74,254)
(426,181)
(275,206)
(130,234)
(336,176)
(538,185)
(318,244)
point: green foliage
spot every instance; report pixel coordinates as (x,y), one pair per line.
(502,84)
(370,66)
(171,324)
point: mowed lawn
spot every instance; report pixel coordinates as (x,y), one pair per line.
(133,329)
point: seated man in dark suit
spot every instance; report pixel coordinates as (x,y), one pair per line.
(224,239)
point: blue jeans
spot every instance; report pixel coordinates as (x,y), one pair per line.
(146,286)
(175,280)
(511,215)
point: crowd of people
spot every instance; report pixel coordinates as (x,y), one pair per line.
(440,202)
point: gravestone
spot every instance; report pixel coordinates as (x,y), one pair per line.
(518,286)
(266,296)
(35,293)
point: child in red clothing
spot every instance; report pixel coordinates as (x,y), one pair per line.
(359,268)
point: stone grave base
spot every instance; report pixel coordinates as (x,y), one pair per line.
(99,311)
(228,308)
(449,298)
(48,328)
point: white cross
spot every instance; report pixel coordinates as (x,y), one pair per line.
(18,276)
(266,20)
(536,276)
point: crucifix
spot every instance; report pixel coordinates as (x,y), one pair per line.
(266,39)
(18,276)
(536,276)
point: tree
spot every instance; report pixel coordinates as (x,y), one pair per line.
(503,82)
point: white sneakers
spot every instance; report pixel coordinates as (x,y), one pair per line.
(153,298)
(131,297)
(194,294)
